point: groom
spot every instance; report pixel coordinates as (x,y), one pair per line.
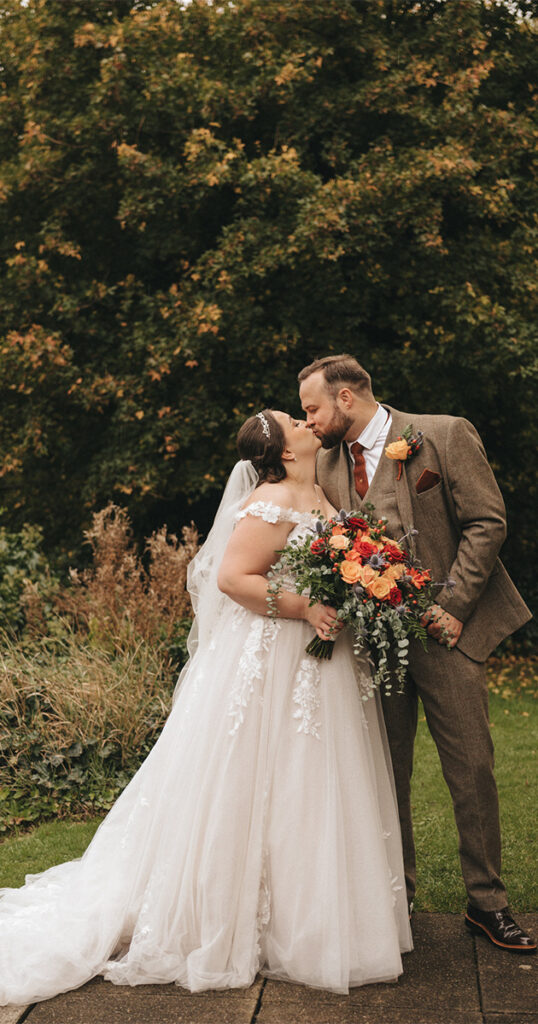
(445,489)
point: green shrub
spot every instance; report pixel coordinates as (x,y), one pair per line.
(23,568)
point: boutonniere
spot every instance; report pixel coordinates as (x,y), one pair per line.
(407,445)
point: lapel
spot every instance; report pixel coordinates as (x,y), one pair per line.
(400,420)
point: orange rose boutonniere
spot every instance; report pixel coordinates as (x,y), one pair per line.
(406,445)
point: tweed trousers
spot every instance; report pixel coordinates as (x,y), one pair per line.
(454,693)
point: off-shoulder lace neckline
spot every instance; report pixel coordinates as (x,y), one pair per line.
(272,513)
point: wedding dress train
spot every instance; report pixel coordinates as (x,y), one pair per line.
(261,833)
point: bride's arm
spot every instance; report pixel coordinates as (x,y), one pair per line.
(250,553)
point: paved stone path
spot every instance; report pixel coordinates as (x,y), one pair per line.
(450,978)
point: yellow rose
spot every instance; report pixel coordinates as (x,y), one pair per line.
(397,450)
(394,571)
(367,575)
(380,588)
(339,542)
(350,572)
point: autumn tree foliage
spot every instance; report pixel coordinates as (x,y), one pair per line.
(196,199)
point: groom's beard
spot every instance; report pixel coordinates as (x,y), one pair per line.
(337,429)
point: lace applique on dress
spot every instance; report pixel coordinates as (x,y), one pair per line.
(393,879)
(260,635)
(263,915)
(239,615)
(271,513)
(306,696)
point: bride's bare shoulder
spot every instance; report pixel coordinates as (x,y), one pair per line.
(275,494)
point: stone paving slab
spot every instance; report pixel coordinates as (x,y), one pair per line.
(11,1014)
(516,1017)
(508,980)
(100,1002)
(350,1014)
(438,986)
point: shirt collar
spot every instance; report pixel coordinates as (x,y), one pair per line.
(373,429)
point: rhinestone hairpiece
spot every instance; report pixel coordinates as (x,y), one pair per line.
(264,423)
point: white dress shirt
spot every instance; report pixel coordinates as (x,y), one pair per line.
(373,440)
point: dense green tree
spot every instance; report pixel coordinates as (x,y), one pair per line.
(195,200)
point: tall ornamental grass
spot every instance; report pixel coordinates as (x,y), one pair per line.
(86,687)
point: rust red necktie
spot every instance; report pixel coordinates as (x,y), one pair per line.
(359,469)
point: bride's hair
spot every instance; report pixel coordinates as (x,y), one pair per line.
(264,452)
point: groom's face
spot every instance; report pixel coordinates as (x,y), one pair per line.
(324,415)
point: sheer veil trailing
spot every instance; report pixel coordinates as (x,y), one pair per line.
(207,600)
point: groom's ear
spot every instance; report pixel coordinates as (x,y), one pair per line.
(345,396)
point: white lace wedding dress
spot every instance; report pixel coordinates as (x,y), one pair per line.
(261,833)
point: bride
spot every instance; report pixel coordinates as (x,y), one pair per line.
(261,832)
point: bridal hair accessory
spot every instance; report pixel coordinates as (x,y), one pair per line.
(407,445)
(264,422)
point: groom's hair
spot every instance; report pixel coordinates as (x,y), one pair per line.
(338,372)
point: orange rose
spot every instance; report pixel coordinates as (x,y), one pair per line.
(380,588)
(353,556)
(367,575)
(350,571)
(398,450)
(394,571)
(336,530)
(339,542)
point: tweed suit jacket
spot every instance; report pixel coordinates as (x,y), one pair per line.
(460,520)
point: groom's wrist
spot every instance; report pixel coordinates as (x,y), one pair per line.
(448,601)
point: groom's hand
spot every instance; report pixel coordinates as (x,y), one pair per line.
(442,626)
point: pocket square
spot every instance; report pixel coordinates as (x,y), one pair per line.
(427,479)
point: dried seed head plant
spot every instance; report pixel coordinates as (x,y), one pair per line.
(118,596)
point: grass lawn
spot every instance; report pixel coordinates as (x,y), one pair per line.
(439,888)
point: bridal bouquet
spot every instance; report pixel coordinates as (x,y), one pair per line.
(377,587)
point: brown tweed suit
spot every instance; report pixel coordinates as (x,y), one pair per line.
(461,527)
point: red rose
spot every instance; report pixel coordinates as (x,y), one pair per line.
(356,523)
(317,546)
(364,548)
(395,596)
(393,553)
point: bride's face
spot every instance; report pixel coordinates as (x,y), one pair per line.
(300,440)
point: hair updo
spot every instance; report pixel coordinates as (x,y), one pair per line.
(264,452)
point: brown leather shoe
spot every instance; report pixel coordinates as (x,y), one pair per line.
(500,928)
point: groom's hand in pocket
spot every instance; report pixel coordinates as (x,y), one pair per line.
(442,626)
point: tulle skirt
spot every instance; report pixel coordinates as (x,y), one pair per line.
(260,834)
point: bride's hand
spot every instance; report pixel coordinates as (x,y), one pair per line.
(323,618)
